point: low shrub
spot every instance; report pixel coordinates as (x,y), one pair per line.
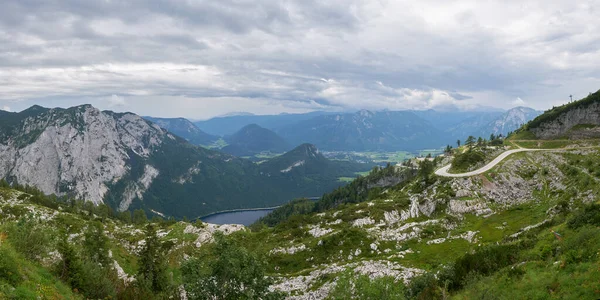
(589,215)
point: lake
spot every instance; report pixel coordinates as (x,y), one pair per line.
(244,217)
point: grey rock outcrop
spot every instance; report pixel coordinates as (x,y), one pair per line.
(79,151)
(563,123)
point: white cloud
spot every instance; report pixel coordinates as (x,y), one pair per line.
(519,102)
(295,54)
(116,101)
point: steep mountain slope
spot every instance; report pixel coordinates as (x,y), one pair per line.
(579,119)
(253,139)
(185,129)
(365,130)
(128,162)
(229,125)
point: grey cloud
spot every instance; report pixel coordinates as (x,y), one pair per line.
(325,54)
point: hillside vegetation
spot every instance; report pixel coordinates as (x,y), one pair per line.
(511,231)
(59,248)
(526,229)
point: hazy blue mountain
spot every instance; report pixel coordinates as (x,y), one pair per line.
(461,124)
(383,130)
(253,139)
(457,120)
(185,129)
(366,131)
(228,125)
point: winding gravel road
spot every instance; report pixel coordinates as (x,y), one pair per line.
(444,170)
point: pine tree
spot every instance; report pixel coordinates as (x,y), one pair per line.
(470,141)
(139,216)
(96,244)
(70,265)
(152,266)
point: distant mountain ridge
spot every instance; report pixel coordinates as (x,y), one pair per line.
(373,131)
(365,131)
(184,129)
(509,121)
(253,139)
(228,125)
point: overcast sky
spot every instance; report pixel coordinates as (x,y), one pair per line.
(201,58)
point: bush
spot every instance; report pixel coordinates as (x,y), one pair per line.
(464,161)
(351,286)
(9,267)
(29,238)
(85,274)
(582,246)
(590,215)
(232,273)
(424,287)
(483,262)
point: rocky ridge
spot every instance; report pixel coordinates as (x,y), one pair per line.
(78,151)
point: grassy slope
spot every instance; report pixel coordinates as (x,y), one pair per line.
(552,268)
(124,239)
(23,279)
(491,230)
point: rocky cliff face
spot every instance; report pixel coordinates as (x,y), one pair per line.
(77,151)
(562,125)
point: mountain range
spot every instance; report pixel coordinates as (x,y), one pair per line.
(361,131)
(228,125)
(365,131)
(128,162)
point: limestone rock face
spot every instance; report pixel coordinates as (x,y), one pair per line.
(577,116)
(78,151)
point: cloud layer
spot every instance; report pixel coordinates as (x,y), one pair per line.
(208,57)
